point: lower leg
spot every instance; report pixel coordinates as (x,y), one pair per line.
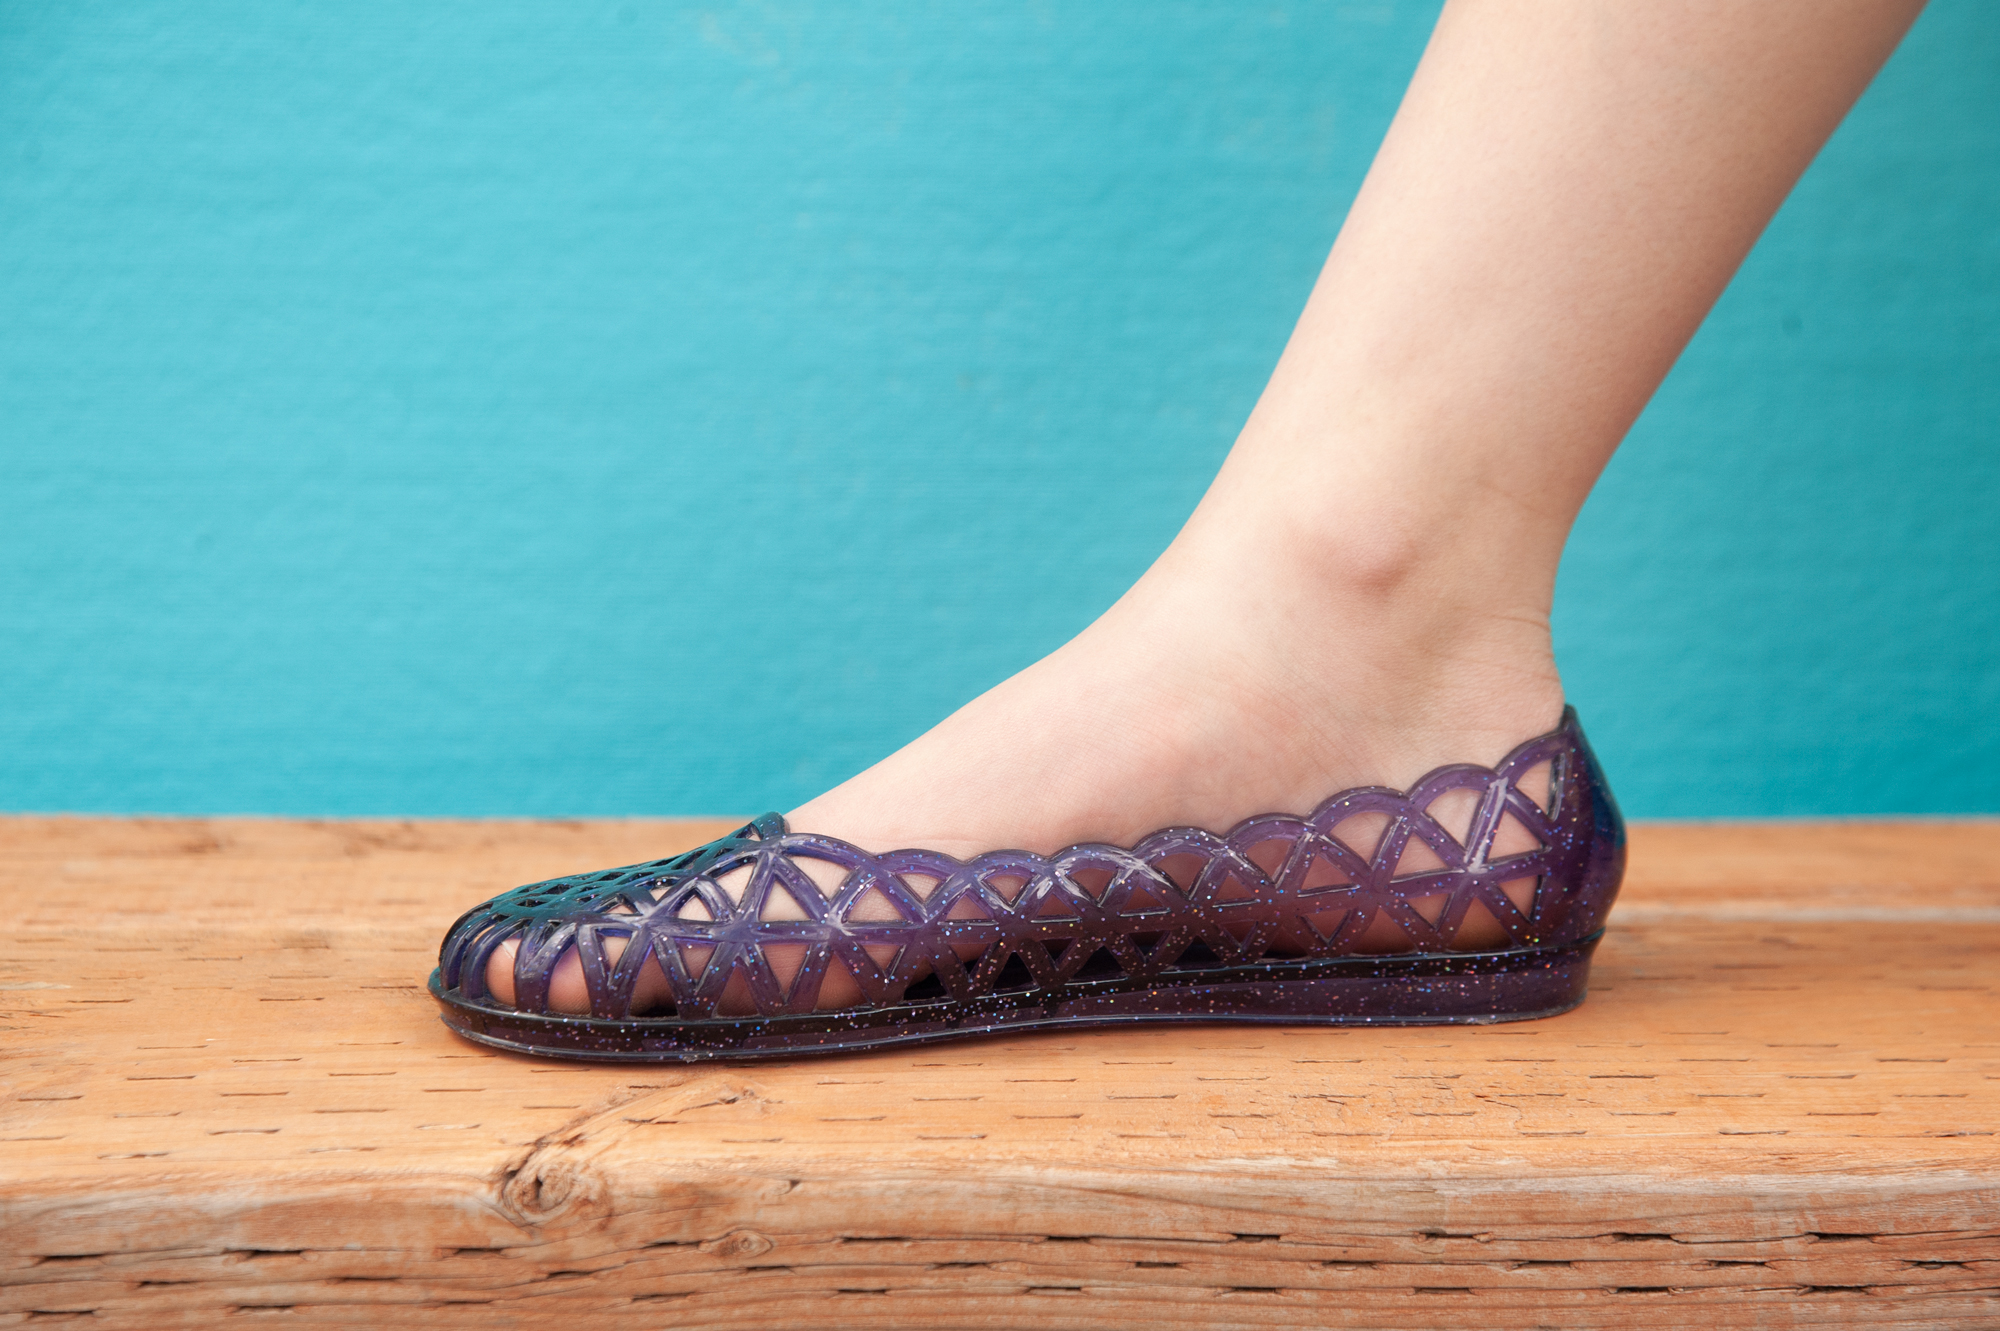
(1364,592)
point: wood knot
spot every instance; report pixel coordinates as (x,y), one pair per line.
(549,1187)
(738,1243)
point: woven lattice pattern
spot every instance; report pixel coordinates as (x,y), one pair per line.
(916,925)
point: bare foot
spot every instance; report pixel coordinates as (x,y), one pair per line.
(1208,694)
(1242,675)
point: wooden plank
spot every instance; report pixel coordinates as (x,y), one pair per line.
(225,1091)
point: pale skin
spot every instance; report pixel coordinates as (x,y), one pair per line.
(1364,592)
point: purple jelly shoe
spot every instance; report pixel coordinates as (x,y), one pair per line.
(1279,920)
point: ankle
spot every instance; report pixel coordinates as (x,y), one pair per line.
(1422,599)
(1379,631)
(1367,514)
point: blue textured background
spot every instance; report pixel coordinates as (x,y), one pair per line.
(543,407)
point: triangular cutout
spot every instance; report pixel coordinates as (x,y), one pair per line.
(1198,956)
(883,954)
(1538,785)
(736,881)
(785,961)
(694,908)
(652,996)
(1014,975)
(1146,942)
(1362,832)
(926,989)
(871,907)
(1479,931)
(1093,881)
(968,907)
(1056,906)
(1270,856)
(1323,923)
(1008,885)
(1521,892)
(838,988)
(738,998)
(1430,907)
(1239,929)
(1056,947)
(781,904)
(1384,935)
(1324,874)
(1142,900)
(1292,941)
(1100,965)
(921,885)
(1418,857)
(1181,870)
(1454,811)
(1234,889)
(1512,837)
(694,958)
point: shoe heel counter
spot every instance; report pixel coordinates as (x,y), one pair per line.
(1600,845)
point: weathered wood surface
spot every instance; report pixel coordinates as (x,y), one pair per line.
(225,1092)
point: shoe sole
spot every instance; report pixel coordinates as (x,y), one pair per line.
(1431,990)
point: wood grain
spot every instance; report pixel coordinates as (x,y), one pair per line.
(225,1093)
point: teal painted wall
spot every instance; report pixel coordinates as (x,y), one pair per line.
(537,407)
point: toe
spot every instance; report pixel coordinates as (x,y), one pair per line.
(500,972)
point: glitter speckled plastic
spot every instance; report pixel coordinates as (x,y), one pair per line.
(1278,920)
